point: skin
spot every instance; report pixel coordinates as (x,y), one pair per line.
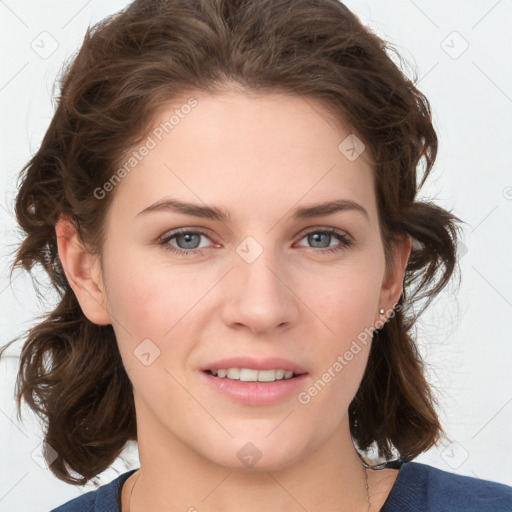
(257,157)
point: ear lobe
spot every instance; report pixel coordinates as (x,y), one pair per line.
(393,281)
(82,270)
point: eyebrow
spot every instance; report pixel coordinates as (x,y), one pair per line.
(219,214)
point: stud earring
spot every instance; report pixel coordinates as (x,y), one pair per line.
(381,311)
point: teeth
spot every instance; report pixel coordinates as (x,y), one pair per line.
(250,375)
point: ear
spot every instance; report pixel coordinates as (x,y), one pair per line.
(83,272)
(393,281)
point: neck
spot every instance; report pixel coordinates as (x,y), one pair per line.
(174,477)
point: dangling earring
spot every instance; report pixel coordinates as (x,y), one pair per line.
(376,331)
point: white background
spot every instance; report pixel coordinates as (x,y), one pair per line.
(465,337)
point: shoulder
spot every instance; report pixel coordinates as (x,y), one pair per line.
(104,499)
(420,487)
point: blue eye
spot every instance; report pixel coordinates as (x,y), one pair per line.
(188,236)
(315,235)
(193,237)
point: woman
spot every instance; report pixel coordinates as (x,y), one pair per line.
(199,153)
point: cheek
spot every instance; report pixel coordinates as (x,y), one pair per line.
(341,353)
(348,302)
(159,303)
(347,309)
(149,298)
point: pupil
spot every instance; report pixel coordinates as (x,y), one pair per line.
(317,236)
(188,237)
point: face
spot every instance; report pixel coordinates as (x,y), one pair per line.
(185,291)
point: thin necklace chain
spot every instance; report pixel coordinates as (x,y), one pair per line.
(133,487)
(365,480)
(367,488)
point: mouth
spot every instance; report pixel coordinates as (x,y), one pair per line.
(253,375)
(251,387)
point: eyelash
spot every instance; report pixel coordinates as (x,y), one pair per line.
(164,241)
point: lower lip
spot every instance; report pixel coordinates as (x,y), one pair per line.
(257,393)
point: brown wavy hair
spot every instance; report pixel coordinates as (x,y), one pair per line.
(128,67)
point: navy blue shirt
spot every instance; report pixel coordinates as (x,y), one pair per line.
(417,488)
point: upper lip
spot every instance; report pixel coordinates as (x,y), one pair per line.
(271,363)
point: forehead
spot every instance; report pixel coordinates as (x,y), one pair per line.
(251,152)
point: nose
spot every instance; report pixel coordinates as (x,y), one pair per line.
(259,295)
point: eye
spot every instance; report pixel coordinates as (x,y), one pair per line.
(185,237)
(324,236)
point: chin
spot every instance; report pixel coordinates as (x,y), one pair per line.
(255,455)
